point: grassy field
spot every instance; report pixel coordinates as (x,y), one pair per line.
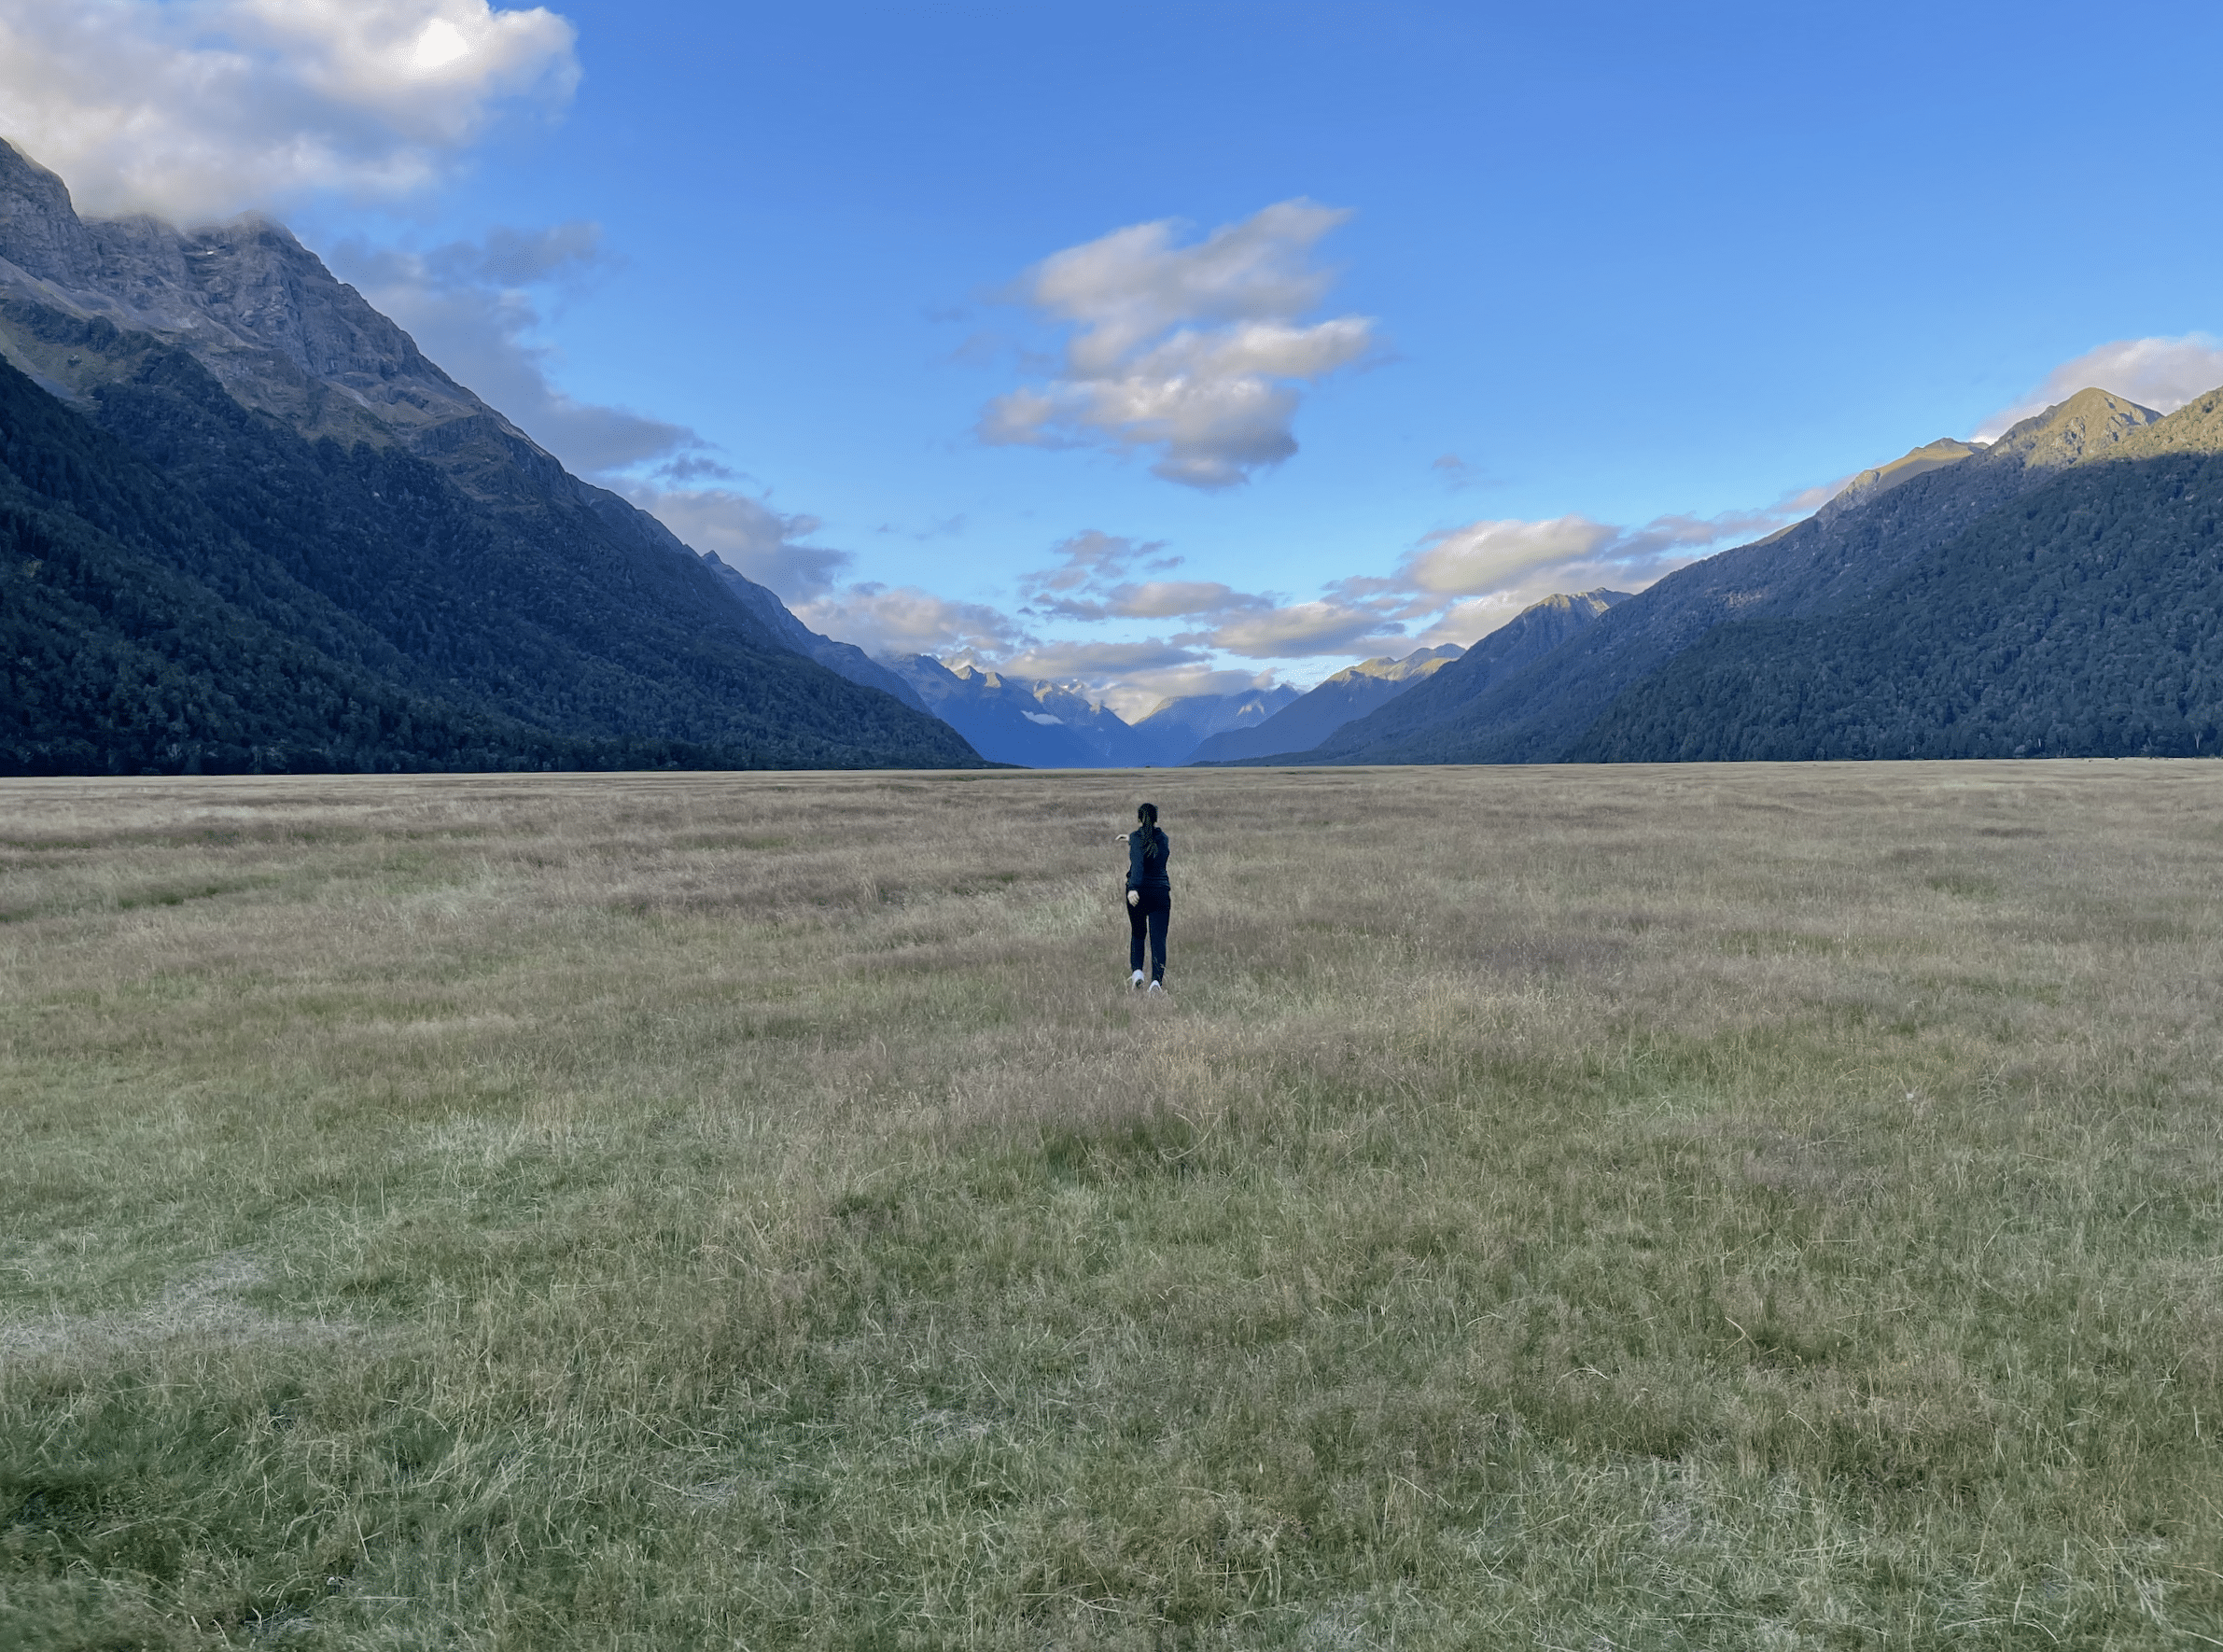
(1563,1208)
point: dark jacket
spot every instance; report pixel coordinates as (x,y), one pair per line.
(1148,849)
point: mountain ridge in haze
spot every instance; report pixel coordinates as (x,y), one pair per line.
(1434,709)
(1172,730)
(1314,716)
(1037,724)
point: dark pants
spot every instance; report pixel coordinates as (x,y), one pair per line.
(1151,912)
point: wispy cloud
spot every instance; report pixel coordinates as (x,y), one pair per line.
(748,536)
(1326,627)
(1453,585)
(905,620)
(1456,473)
(1132,678)
(1501,555)
(1199,354)
(194,109)
(1491,569)
(1093,580)
(2157,372)
(477,307)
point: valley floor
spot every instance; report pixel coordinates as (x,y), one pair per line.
(1771,1207)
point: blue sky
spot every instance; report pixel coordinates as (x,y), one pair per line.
(1161,347)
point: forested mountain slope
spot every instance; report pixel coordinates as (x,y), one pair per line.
(310,610)
(220,429)
(1317,714)
(122,652)
(1433,716)
(2083,620)
(1844,552)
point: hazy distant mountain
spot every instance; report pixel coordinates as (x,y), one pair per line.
(1842,554)
(1018,720)
(1311,718)
(1170,732)
(1040,724)
(277,458)
(1434,714)
(2084,618)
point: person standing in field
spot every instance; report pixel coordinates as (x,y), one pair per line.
(1150,895)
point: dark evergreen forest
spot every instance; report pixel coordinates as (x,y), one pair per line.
(2083,620)
(188,586)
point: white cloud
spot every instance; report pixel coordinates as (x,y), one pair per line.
(905,620)
(1091,581)
(1199,352)
(2159,373)
(1153,600)
(1091,560)
(195,109)
(747,535)
(1456,585)
(1301,630)
(1484,556)
(1492,569)
(1131,678)
(474,307)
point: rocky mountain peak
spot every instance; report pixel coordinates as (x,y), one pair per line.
(1931,455)
(1393,668)
(40,233)
(251,303)
(2088,423)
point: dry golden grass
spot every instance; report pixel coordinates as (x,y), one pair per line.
(1579,1208)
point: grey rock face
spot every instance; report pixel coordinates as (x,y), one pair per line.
(39,231)
(252,304)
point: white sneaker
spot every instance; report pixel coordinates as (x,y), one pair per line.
(1155,988)
(1135,979)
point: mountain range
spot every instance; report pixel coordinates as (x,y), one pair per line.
(2084,618)
(1039,725)
(1408,727)
(1312,718)
(247,525)
(2049,593)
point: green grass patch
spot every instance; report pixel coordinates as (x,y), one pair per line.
(586,1230)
